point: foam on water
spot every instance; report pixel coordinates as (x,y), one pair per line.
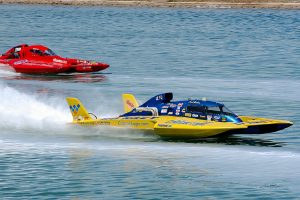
(6,70)
(247,167)
(19,110)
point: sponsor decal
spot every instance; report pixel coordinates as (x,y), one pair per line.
(217,117)
(164,125)
(195,115)
(133,117)
(133,123)
(196,102)
(159,97)
(172,105)
(74,108)
(188,114)
(165,107)
(60,61)
(164,110)
(130,104)
(177,113)
(183,110)
(87,123)
(180,104)
(170,113)
(188,123)
(86,67)
(104,123)
(257,122)
(20,62)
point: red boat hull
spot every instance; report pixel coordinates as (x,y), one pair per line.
(36,59)
(32,67)
(91,67)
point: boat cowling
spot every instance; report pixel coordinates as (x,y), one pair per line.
(158,99)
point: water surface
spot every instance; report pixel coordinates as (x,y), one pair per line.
(247,59)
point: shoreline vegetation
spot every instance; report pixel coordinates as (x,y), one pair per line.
(274,4)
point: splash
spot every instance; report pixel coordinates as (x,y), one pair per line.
(19,110)
(22,112)
(6,70)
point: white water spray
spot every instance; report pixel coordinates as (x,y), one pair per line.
(6,70)
(19,110)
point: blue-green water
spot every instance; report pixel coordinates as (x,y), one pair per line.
(248,59)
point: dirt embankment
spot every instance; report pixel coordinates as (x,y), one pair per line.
(284,4)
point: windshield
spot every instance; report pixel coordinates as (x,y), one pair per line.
(227,111)
(213,110)
(49,52)
(36,51)
(196,108)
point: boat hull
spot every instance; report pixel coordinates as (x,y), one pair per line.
(84,68)
(34,67)
(190,128)
(38,59)
(167,126)
(259,125)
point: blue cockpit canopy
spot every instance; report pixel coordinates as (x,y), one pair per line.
(162,105)
(205,103)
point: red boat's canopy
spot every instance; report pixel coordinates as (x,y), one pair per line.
(24,49)
(40,50)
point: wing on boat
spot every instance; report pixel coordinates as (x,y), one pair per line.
(77,109)
(129,102)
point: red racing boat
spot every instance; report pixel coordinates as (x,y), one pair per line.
(38,59)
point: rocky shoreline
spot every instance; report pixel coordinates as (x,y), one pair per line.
(275,4)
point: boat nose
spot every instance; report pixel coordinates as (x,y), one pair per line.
(284,125)
(104,65)
(100,66)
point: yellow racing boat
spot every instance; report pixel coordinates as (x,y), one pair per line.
(177,119)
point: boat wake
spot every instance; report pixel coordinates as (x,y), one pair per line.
(34,113)
(27,113)
(22,111)
(6,70)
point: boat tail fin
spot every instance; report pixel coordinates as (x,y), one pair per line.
(77,109)
(129,102)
